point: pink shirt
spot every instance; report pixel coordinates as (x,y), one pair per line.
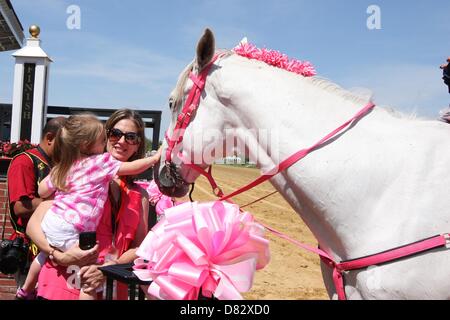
(88,182)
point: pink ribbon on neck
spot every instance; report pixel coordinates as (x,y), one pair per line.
(210,247)
(155,197)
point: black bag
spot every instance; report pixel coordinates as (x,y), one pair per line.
(13,253)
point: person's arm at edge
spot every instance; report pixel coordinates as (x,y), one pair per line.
(25,207)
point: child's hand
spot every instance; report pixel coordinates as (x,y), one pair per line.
(156,155)
(159,152)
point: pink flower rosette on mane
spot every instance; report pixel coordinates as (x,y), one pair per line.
(210,248)
(275,58)
(155,196)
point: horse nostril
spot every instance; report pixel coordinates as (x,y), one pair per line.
(165,178)
(170,182)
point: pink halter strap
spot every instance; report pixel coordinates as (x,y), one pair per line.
(379,258)
(190,106)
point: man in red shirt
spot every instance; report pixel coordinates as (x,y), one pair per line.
(24,174)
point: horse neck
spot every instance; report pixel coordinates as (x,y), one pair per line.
(293,115)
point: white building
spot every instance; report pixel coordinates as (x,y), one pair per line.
(230,160)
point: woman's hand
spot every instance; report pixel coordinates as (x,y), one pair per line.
(76,256)
(91,277)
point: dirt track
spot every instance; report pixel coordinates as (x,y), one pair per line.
(292,272)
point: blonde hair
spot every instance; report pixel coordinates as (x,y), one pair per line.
(79,133)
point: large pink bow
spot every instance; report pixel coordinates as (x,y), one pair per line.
(210,247)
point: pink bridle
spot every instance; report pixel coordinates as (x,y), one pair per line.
(189,108)
(191,105)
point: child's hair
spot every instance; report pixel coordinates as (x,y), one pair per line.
(74,139)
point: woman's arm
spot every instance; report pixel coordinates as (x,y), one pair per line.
(34,230)
(73,256)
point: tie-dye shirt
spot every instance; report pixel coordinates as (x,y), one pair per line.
(87,184)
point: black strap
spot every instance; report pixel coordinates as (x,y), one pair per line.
(190,193)
(45,155)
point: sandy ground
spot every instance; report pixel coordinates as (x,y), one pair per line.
(292,272)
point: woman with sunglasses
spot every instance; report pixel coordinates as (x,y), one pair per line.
(123,225)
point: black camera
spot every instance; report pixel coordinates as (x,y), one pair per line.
(13,255)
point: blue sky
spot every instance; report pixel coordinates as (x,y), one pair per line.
(129,53)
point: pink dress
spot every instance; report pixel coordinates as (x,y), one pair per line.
(88,182)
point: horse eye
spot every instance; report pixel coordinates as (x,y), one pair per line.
(171,103)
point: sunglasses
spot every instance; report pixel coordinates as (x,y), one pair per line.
(130,137)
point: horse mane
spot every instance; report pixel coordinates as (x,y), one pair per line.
(332,87)
(177,93)
(360,98)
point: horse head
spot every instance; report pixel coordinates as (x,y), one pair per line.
(198,119)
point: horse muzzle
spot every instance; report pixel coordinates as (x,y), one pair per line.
(169,181)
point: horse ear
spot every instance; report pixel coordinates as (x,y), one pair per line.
(205,49)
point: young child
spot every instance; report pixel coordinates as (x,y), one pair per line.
(80,181)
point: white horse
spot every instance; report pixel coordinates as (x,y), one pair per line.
(381,184)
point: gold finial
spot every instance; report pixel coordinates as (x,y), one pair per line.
(34,31)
